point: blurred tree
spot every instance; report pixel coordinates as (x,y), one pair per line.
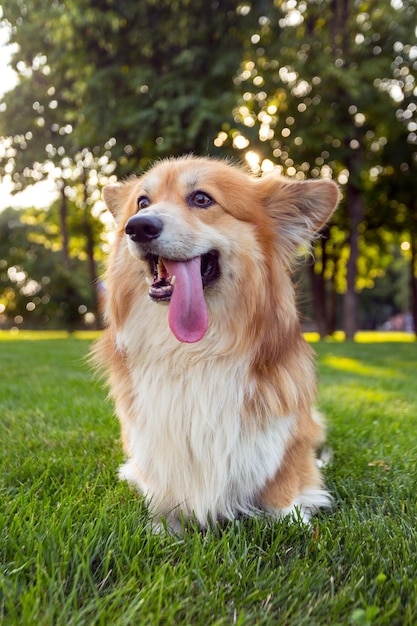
(110,85)
(35,287)
(132,80)
(105,86)
(320,94)
(394,201)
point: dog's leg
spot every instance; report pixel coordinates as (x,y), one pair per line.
(297,487)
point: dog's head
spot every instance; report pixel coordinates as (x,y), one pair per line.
(200,226)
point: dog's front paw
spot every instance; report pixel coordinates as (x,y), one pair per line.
(305,505)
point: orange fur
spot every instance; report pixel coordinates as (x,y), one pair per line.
(253,337)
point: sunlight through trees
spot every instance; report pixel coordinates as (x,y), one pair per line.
(307,89)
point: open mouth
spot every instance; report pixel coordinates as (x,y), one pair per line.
(161,287)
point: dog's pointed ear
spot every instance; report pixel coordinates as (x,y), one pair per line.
(112,196)
(300,208)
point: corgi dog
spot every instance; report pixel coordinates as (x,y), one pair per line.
(213,383)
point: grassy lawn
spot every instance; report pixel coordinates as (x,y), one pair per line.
(74,543)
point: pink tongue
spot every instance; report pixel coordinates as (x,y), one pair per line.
(187,316)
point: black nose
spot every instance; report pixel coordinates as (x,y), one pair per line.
(143,228)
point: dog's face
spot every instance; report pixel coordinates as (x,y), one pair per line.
(203,230)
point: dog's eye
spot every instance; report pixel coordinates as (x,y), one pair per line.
(201,199)
(143,202)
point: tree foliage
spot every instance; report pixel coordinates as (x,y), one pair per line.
(330,88)
(131,80)
(107,86)
(323,88)
(36,289)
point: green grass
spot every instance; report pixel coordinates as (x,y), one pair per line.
(75,547)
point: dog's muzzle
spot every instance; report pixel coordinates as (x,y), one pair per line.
(142,229)
(178,281)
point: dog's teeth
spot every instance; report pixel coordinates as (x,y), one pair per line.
(148,281)
(161,271)
(173,279)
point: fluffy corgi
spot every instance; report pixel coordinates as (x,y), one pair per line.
(212,380)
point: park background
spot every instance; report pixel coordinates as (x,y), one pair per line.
(102,89)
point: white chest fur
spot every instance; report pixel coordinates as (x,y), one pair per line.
(189,449)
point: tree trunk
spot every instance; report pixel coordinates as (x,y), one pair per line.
(333,306)
(413,279)
(340,32)
(319,301)
(319,292)
(356,213)
(341,40)
(92,268)
(63,213)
